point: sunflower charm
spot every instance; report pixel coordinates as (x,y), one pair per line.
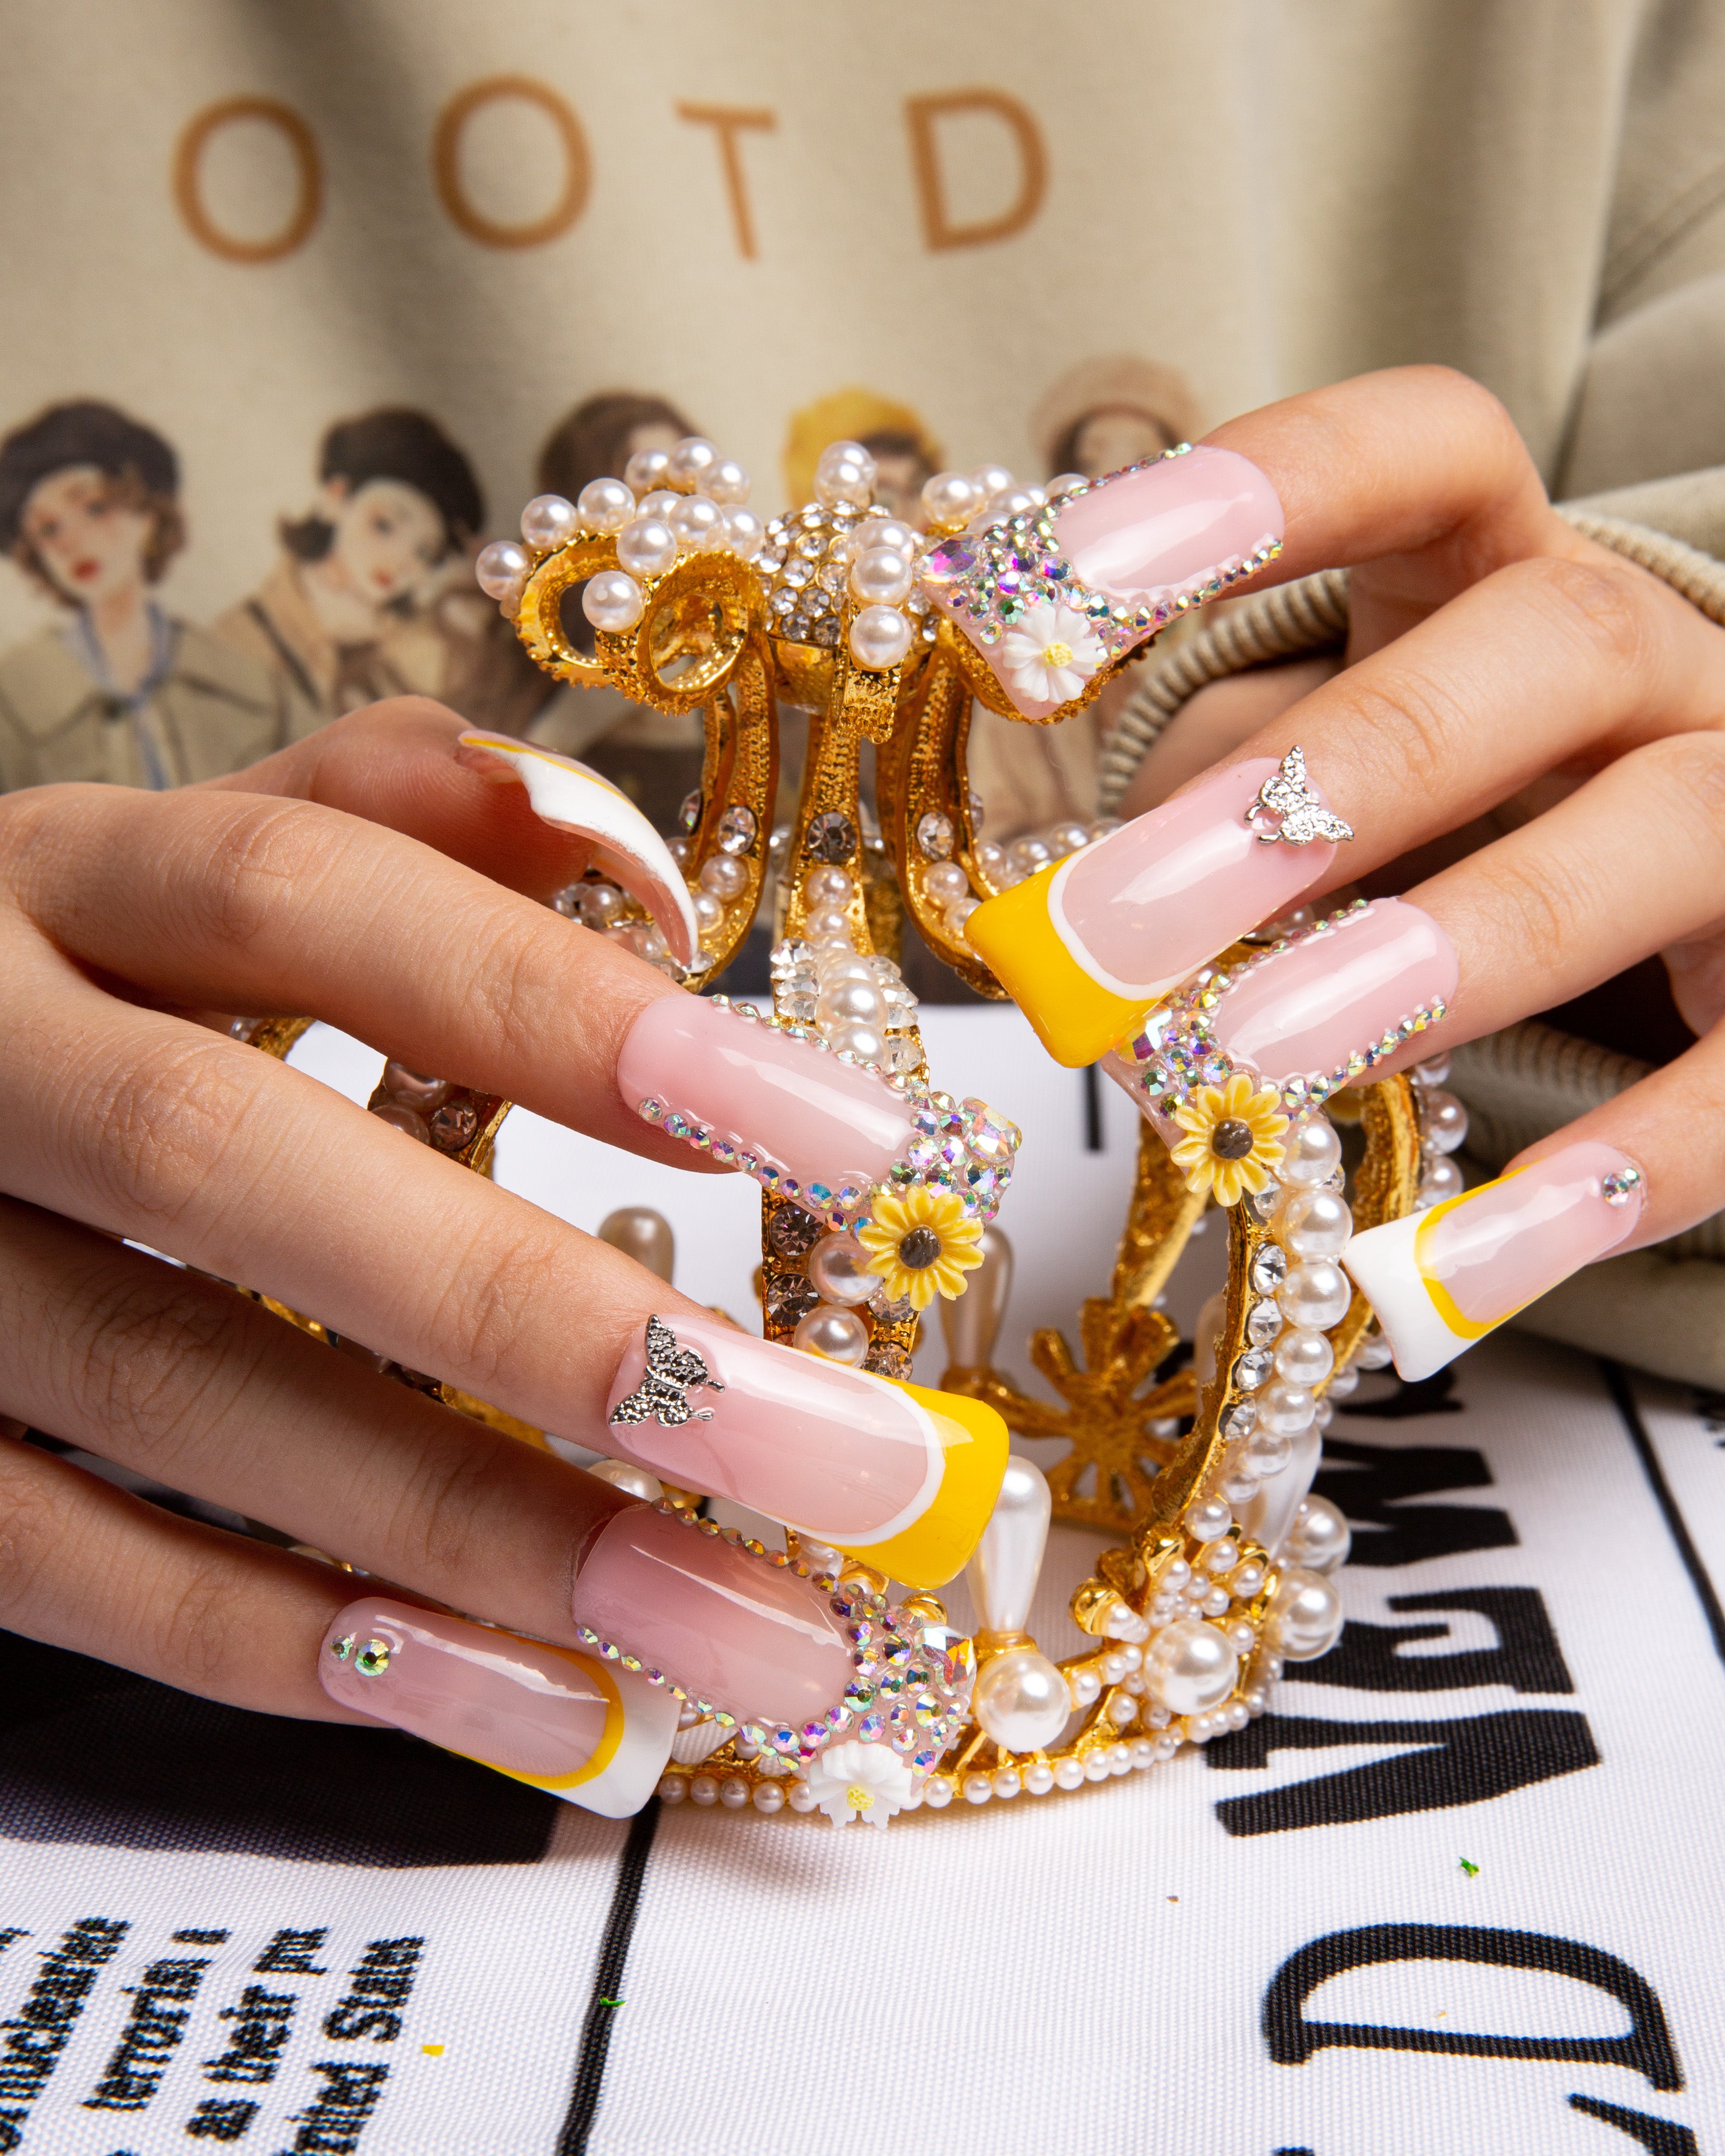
(1233,1138)
(922,1244)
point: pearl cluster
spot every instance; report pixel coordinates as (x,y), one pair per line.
(840,554)
(431,1110)
(722,881)
(1443,1130)
(946,883)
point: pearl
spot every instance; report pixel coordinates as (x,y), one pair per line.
(404,1120)
(745,533)
(1320,1537)
(1005,1782)
(1085,1687)
(1069,1774)
(1267,1453)
(1191,1667)
(802,1798)
(1095,1766)
(1315,1294)
(838,1267)
(1015,501)
(851,1003)
(955,917)
(704,1790)
(1068,837)
(839,1335)
(862,1041)
(1342,1384)
(944,880)
(1207,1519)
(1374,1352)
(605,504)
(728,481)
(502,569)
(659,503)
(646,547)
(880,637)
(950,499)
(649,942)
(1284,1410)
(645,470)
(724,876)
(636,1480)
(767,1797)
(1433,1071)
(1222,1556)
(845,473)
(1237,1486)
(1304,1358)
(549,521)
(699,524)
(1038,1778)
(886,532)
(708,911)
(1314,1224)
(612,601)
(880,577)
(1312,1151)
(689,463)
(827,922)
(1007,1561)
(1122,1710)
(937,1792)
(1029,853)
(990,479)
(413,1089)
(1446,1123)
(827,886)
(1305,1615)
(1021,1700)
(1442,1180)
(1064,483)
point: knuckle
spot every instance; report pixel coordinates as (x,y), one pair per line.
(166,1116)
(265,849)
(157,1360)
(1689,770)
(1603,608)
(197,1637)
(476,1323)
(1546,910)
(35,1534)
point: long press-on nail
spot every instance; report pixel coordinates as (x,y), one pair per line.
(758,1097)
(900,1476)
(1052,597)
(1087,945)
(1439,1280)
(586,1730)
(798,1662)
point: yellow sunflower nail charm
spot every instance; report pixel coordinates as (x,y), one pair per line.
(1233,1140)
(922,1244)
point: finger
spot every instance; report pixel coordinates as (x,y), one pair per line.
(1642,1167)
(95,1570)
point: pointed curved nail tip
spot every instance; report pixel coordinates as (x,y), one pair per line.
(571,797)
(554,1718)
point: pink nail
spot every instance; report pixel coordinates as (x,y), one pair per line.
(556,1718)
(900,1476)
(1441,1280)
(1145,545)
(725,1626)
(1337,993)
(748,1091)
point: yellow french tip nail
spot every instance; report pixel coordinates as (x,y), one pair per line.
(1076,1018)
(936,1546)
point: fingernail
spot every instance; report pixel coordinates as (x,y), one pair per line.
(1086,946)
(571,797)
(1052,598)
(901,1476)
(1338,999)
(589,1732)
(1439,1280)
(738,1630)
(772,1103)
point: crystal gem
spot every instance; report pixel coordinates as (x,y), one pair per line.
(934,836)
(888,1360)
(1252,1368)
(1270,1269)
(1240,1421)
(373,1659)
(945,565)
(789,1301)
(1265,1322)
(793,1233)
(831,836)
(688,815)
(736,829)
(453,1126)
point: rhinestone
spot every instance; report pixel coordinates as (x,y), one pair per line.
(1265,1322)
(453,1126)
(1240,1421)
(343,1647)
(793,1233)
(783,602)
(373,1659)
(789,1300)
(736,829)
(1270,1269)
(1252,1368)
(934,837)
(888,1360)
(796,574)
(826,631)
(688,815)
(831,836)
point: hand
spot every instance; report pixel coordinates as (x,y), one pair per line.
(1528,740)
(380,877)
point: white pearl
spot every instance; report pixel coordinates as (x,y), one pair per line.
(1239,1485)
(1284,1410)
(645,470)
(1207,1519)
(1007,1561)
(646,547)
(704,1788)
(621,1475)
(1312,1151)
(1303,1357)
(1342,1384)
(827,886)
(862,1041)
(502,569)
(1320,1538)
(699,524)
(1121,1710)
(1265,1453)
(1433,1071)
(802,1798)
(880,577)
(990,479)
(945,880)
(549,521)
(1374,1352)
(827,921)
(839,1335)
(659,503)
(605,504)
(744,532)
(690,462)
(1305,1615)
(1446,1120)
(1063,483)
(1315,1294)
(838,1267)
(1068,837)
(1190,1666)
(1021,1700)
(851,1003)
(978,1788)
(1085,1687)
(728,481)
(1069,1774)
(1095,1766)
(1442,1180)
(612,601)
(1314,1224)
(724,876)
(886,532)
(733,1793)
(708,911)
(950,498)
(955,916)
(1015,501)
(767,1797)
(840,457)
(880,637)
(1038,1778)
(937,1792)
(1005,1782)
(1222,1556)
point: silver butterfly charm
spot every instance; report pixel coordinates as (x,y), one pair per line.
(673,1372)
(1302,817)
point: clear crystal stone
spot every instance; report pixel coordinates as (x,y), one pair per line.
(1265,1322)
(1270,1269)
(1252,1368)
(934,836)
(1241,1421)
(736,829)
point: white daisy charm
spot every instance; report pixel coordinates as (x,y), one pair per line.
(859,1781)
(1051,653)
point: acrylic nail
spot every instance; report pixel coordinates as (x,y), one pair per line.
(571,798)
(559,1719)
(758,1097)
(1052,598)
(1087,946)
(1440,1280)
(900,1476)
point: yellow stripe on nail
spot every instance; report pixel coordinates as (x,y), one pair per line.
(606,1750)
(1077,1018)
(1445,1304)
(936,1548)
